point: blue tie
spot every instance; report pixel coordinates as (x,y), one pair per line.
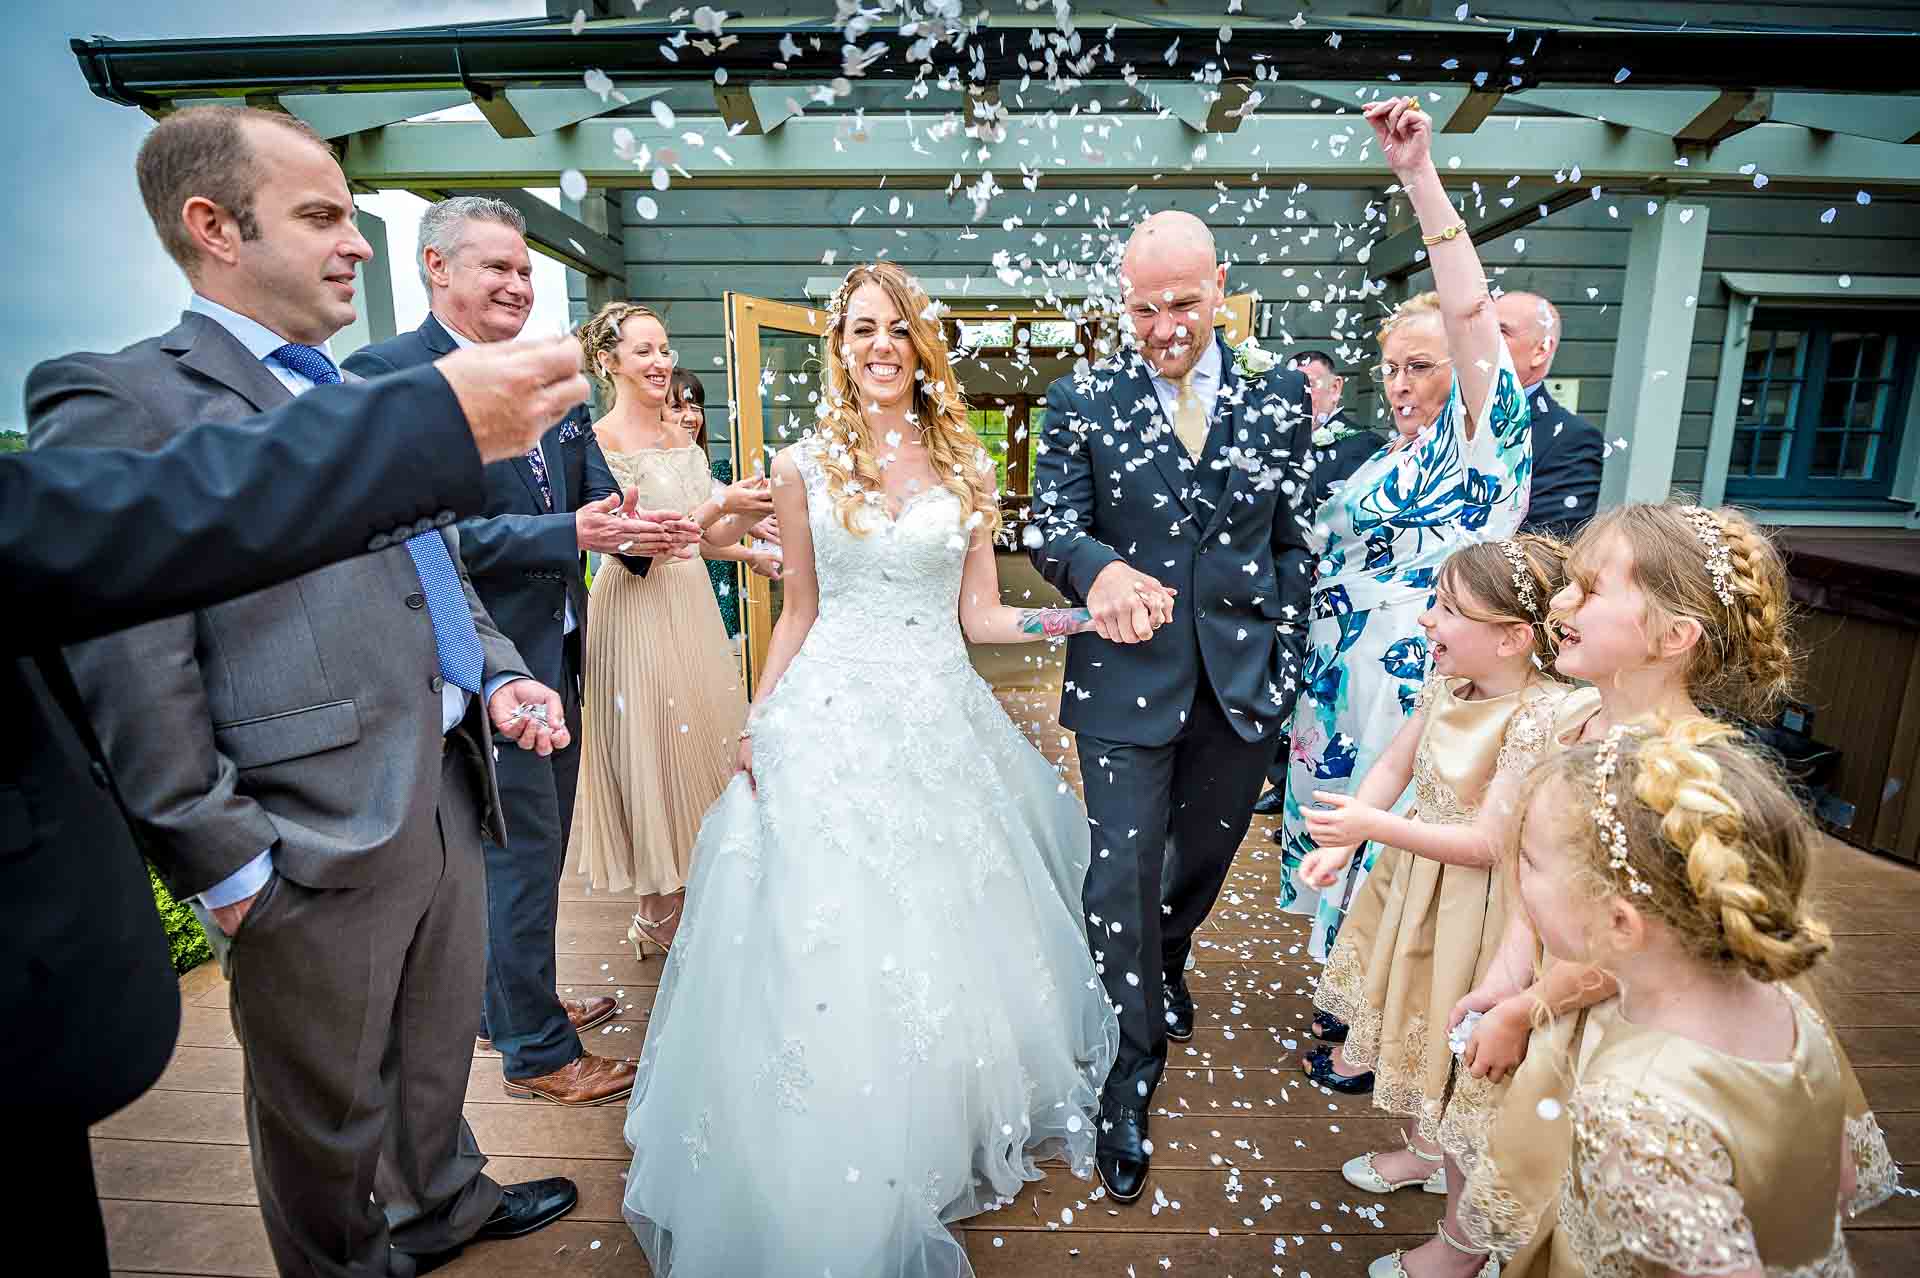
(462,662)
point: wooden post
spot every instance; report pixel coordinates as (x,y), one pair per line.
(1650,357)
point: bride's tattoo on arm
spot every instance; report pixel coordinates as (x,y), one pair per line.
(1054,622)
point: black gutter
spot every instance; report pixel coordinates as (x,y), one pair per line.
(148,72)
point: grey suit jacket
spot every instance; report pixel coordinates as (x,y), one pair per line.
(305,717)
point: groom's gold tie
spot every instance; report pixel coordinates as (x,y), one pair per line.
(1190,418)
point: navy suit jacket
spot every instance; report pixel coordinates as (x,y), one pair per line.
(1104,491)
(1336,462)
(524,559)
(1566,468)
(95,540)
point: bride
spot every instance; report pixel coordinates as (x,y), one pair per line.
(880,1009)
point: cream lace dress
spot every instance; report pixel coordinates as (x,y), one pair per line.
(1422,933)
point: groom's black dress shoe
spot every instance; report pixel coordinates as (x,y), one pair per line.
(1121,1152)
(1179,1008)
(1272,803)
(523,1208)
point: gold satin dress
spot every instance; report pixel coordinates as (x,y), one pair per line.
(1517,1169)
(664,703)
(1422,933)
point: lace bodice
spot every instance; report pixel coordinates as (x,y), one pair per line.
(890,594)
(668,479)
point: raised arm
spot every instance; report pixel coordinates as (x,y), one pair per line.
(1405,133)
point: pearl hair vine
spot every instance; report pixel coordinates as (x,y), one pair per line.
(1706,527)
(1606,811)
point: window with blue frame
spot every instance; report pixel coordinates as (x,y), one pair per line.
(1823,400)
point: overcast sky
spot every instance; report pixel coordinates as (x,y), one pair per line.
(93,274)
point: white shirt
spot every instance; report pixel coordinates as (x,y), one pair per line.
(261,342)
(1206,383)
(461,339)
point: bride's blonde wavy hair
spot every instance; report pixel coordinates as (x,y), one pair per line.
(953,450)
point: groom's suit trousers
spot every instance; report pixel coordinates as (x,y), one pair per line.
(1167,821)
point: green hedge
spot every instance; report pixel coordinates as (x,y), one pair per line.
(184,937)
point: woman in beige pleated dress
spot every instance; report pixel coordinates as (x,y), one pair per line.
(664,703)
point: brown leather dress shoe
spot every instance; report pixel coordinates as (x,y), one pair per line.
(582,1013)
(587,1080)
(585,1013)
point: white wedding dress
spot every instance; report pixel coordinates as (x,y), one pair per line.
(879,1009)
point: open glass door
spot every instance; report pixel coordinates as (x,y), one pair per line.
(773,376)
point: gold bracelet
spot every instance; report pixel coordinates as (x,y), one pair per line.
(1444,236)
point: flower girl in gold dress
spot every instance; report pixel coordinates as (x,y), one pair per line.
(1708,1114)
(1432,913)
(1672,611)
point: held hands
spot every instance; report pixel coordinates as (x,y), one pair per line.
(1324,867)
(1405,133)
(764,560)
(1127,605)
(1342,822)
(530,715)
(510,392)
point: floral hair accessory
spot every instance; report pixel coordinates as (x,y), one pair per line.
(1719,562)
(1522,577)
(1606,811)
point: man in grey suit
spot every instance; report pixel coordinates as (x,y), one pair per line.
(311,763)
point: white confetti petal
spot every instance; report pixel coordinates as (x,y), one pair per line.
(573,184)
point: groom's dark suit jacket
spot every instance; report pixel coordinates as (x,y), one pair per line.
(1228,533)
(524,559)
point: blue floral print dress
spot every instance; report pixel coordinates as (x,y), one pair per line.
(1381,540)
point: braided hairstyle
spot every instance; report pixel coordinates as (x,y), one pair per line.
(1745,662)
(1715,837)
(1485,585)
(600,337)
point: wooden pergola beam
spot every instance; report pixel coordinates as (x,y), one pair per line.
(1403,252)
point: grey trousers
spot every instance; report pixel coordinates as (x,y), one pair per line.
(356,1012)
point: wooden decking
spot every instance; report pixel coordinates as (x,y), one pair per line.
(1246,1168)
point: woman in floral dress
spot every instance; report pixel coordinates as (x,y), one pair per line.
(1457,471)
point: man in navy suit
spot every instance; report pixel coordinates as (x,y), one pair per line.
(1566,447)
(1171,487)
(544,511)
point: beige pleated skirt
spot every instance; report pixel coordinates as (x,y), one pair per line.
(663,710)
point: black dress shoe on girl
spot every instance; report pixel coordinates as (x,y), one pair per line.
(1329,1028)
(1318,1065)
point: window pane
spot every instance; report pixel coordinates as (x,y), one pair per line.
(990,424)
(1770,454)
(1052,334)
(1826,454)
(1860,457)
(1741,461)
(993,334)
(1776,408)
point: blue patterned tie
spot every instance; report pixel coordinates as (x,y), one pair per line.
(462,662)
(538,461)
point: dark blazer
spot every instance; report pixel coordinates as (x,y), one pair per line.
(305,717)
(1336,462)
(1567,451)
(1238,555)
(86,986)
(525,559)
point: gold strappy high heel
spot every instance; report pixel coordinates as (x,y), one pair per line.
(640,934)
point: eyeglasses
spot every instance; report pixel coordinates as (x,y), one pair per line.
(1418,370)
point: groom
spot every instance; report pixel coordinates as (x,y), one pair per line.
(1178,468)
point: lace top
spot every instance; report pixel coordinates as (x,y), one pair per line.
(889,594)
(668,479)
(1465,744)
(1687,1158)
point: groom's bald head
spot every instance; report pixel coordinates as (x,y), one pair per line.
(1173,284)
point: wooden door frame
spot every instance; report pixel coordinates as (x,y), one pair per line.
(746,315)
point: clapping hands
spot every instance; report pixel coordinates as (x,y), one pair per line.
(616,525)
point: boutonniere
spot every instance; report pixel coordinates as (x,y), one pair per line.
(1250,359)
(1326,434)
